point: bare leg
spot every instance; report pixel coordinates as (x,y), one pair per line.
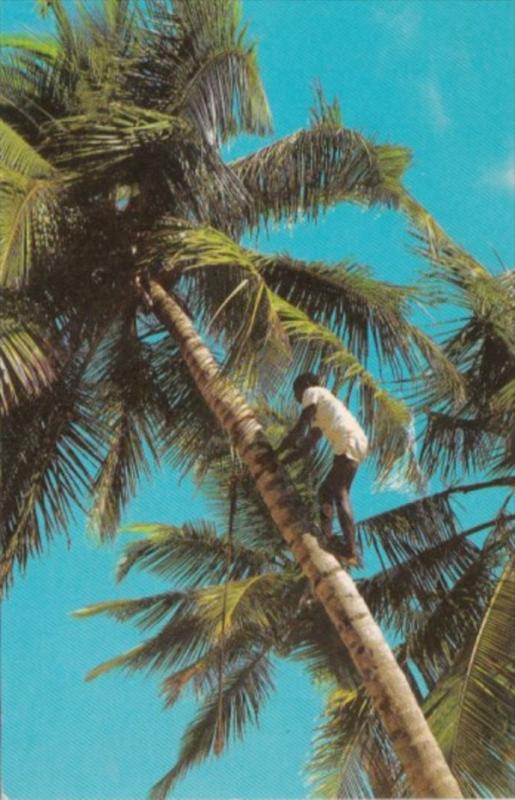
(346,519)
(334,491)
(347,471)
(326,499)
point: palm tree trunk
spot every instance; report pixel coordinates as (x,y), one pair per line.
(415,745)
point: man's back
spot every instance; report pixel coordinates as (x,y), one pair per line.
(338,425)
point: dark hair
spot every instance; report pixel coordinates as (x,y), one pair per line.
(304,381)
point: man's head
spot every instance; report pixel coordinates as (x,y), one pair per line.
(303,382)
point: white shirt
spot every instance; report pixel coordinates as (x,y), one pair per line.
(341,429)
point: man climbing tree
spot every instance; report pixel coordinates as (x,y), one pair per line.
(324,415)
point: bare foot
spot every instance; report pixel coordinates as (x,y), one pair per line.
(338,547)
(352,560)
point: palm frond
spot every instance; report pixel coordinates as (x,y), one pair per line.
(408,529)
(19,156)
(206,70)
(471,709)
(216,470)
(49,450)
(250,602)
(221,280)
(191,623)
(364,312)
(418,581)
(225,95)
(244,693)
(28,210)
(207,256)
(45,49)
(113,26)
(131,413)
(144,611)
(253,527)
(503,401)
(185,416)
(310,639)
(454,444)
(27,204)
(476,435)
(190,552)
(103,144)
(91,47)
(345,298)
(342,754)
(121,467)
(441,625)
(62,20)
(28,360)
(450,261)
(184,636)
(313,169)
(25,103)
(172,687)
(115,12)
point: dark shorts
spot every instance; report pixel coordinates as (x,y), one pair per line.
(339,478)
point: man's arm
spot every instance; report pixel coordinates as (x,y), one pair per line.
(302,437)
(305,447)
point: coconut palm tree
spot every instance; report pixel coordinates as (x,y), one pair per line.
(241,603)
(120,219)
(440,594)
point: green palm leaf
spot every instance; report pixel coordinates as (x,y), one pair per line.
(222,91)
(45,49)
(409,528)
(27,202)
(364,312)
(19,156)
(244,692)
(240,603)
(131,411)
(471,708)
(476,435)
(417,581)
(225,95)
(62,21)
(456,444)
(185,634)
(103,143)
(28,210)
(189,552)
(313,169)
(27,359)
(222,280)
(48,456)
(444,622)
(337,767)
(345,298)
(145,611)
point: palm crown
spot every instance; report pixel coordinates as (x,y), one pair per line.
(111,171)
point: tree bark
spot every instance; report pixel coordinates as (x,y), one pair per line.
(411,737)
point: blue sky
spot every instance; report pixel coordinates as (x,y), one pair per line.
(435,76)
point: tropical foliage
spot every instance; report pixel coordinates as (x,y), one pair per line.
(111,173)
(238,603)
(111,169)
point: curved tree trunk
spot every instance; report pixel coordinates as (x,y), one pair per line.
(411,737)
